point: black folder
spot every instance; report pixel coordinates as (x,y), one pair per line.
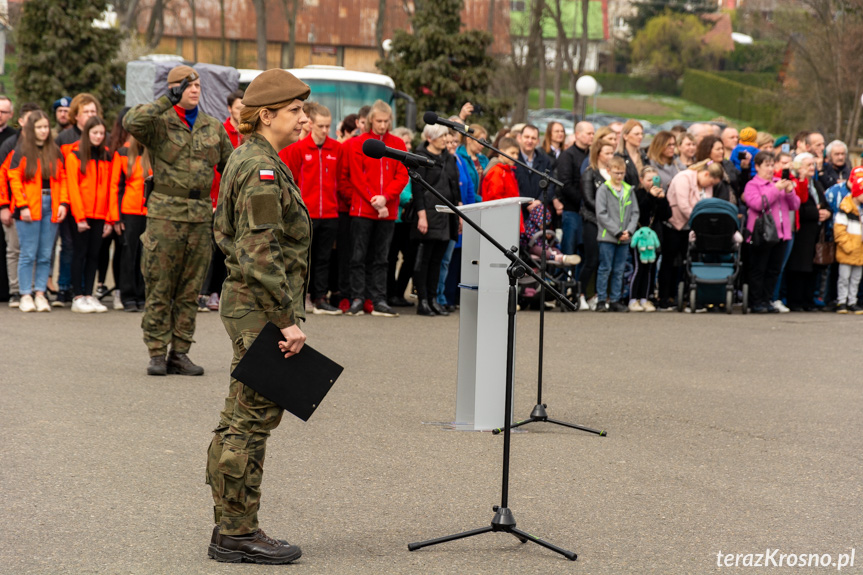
(298,383)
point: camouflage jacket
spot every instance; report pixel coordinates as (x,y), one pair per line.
(182,158)
(264,228)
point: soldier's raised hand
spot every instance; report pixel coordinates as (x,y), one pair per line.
(175,94)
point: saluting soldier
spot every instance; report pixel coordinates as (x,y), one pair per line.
(265,231)
(185,144)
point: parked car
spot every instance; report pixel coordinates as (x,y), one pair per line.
(556,113)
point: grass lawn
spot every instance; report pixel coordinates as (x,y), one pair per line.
(655,108)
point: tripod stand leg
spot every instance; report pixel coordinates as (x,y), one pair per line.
(513,426)
(601,433)
(421,544)
(571,555)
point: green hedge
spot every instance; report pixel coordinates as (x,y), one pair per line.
(625,83)
(765,80)
(752,105)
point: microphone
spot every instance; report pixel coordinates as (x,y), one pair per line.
(377,150)
(432,118)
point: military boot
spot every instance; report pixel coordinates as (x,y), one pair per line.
(158,365)
(255,547)
(180,364)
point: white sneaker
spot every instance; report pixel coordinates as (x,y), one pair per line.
(42,303)
(591,303)
(26,304)
(582,303)
(96,305)
(648,306)
(635,306)
(118,303)
(781,306)
(81,304)
(571,260)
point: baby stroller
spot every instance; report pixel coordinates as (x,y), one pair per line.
(713,257)
(560,277)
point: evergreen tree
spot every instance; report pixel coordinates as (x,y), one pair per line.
(442,66)
(60,52)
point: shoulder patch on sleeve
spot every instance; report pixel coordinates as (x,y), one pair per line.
(265,211)
(266,175)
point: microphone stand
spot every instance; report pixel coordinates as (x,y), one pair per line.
(503,520)
(539,412)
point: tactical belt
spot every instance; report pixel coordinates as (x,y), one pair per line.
(177,192)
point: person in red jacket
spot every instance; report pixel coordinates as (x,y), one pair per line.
(130,166)
(318,166)
(377,185)
(88,175)
(499,181)
(341,284)
(208,299)
(38,182)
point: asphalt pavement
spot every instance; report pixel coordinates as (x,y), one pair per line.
(727,434)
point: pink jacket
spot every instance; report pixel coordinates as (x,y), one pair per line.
(780,204)
(683,194)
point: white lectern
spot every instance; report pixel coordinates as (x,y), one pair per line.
(482,313)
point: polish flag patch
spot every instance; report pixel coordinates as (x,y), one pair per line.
(267,175)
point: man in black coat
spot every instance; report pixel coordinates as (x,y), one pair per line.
(567,201)
(528,182)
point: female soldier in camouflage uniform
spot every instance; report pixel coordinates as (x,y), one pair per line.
(263,227)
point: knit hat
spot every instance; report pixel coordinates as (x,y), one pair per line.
(63,102)
(182,72)
(855,181)
(274,87)
(748,136)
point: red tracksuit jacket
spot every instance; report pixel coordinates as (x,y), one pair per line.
(321,174)
(372,177)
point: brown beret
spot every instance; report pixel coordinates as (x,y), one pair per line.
(274,87)
(179,73)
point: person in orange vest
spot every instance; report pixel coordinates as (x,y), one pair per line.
(319,167)
(82,107)
(88,174)
(12,249)
(38,182)
(130,166)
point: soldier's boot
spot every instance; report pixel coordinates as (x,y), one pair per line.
(217,529)
(158,365)
(255,547)
(180,364)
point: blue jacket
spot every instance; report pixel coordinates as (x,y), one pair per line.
(461,152)
(834,196)
(465,183)
(736,161)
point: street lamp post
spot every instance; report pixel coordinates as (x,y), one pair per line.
(586,86)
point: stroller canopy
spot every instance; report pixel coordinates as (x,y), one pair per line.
(714,206)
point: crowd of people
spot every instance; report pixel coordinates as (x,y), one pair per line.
(80,186)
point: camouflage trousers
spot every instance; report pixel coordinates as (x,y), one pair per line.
(174,262)
(235,459)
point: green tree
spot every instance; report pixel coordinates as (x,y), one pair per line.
(61,52)
(443,67)
(671,43)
